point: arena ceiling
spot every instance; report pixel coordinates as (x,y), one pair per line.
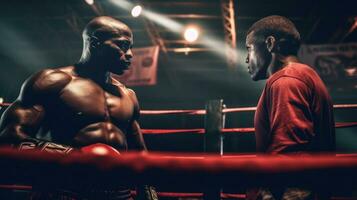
(50,24)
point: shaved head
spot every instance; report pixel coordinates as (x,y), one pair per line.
(105,27)
(101,29)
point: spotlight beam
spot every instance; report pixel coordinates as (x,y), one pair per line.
(163,21)
(155,17)
(218,46)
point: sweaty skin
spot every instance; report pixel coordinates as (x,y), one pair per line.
(81,107)
(80,104)
(76,110)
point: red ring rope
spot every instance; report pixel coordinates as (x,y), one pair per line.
(202,112)
(225,130)
(156,168)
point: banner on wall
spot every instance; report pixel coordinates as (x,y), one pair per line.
(143,68)
(336,63)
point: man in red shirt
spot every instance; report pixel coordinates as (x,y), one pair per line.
(295,112)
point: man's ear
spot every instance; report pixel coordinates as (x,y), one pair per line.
(271,43)
(94,42)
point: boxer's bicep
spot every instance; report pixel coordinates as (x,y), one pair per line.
(25,116)
(19,126)
(20,121)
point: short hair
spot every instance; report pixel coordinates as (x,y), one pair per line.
(281,28)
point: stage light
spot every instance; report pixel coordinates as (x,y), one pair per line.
(351,71)
(155,17)
(89,2)
(191,34)
(136,11)
(209,41)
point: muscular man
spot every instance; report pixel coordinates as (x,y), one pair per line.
(80,106)
(294,113)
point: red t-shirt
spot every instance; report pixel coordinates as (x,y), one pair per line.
(294,113)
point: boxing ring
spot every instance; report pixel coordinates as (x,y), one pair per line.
(200,173)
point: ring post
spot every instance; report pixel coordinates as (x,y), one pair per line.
(213,126)
(213,141)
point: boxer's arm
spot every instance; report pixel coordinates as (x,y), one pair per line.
(136,141)
(21,120)
(19,125)
(135,137)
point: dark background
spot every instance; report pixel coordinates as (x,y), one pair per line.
(35,34)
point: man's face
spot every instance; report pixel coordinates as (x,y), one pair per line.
(258,58)
(116,53)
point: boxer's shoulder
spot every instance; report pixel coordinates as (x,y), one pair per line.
(44,82)
(50,79)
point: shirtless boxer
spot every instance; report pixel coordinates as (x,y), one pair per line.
(80,106)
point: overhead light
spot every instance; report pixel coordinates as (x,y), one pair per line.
(191,34)
(209,41)
(89,2)
(136,11)
(351,71)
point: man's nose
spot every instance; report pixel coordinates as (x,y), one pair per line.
(129,54)
(247,60)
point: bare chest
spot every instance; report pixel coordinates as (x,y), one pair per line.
(84,99)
